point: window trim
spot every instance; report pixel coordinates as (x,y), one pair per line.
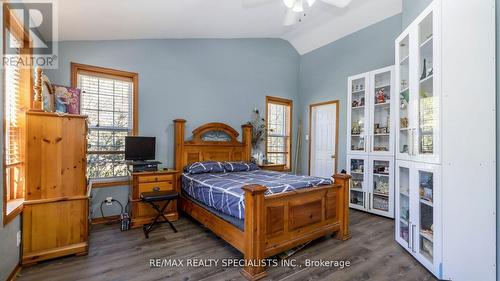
(77,67)
(285,102)
(12,24)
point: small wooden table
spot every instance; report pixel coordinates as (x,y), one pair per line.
(162,180)
(273,167)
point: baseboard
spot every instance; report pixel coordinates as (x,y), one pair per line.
(13,275)
(104,220)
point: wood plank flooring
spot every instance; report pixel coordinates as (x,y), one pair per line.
(116,255)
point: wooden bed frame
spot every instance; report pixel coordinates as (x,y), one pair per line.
(273,223)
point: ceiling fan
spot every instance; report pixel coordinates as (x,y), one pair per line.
(296,8)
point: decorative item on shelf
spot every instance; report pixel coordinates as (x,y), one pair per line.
(356,129)
(430,72)
(404,149)
(404,84)
(403,122)
(380,148)
(259,129)
(357,183)
(355,103)
(362,101)
(380,96)
(382,187)
(48,99)
(62,100)
(67,99)
(424,71)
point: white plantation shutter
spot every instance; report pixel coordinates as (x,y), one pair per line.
(108,102)
(14,108)
(17,82)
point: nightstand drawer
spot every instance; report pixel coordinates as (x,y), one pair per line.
(156,186)
(155,178)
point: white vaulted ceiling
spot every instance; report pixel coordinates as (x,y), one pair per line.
(162,19)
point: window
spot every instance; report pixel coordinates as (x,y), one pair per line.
(109,99)
(17,81)
(279,128)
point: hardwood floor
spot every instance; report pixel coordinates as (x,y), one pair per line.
(116,255)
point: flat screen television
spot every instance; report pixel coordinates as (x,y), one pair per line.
(140,148)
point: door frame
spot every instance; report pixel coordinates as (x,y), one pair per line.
(311,106)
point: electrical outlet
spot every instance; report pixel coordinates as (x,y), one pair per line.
(18,238)
(109,201)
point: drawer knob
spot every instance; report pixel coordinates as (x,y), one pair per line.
(156,189)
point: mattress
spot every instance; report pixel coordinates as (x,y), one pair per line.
(222,191)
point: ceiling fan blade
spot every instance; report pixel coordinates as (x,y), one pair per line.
(290,18)
(338,3)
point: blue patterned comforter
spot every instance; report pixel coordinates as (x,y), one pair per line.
(222,191)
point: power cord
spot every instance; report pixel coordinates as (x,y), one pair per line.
(109,202)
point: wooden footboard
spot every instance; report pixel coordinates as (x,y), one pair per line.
(279,222)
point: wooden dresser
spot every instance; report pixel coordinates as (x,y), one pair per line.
(163,180)
(55,215)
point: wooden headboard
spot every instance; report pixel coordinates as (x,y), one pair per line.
(212,141)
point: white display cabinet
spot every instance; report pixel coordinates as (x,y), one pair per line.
(419,97)
(445,142)
(372,184)
(418,217)
(370,117)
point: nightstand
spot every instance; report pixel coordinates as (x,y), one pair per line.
(162,180)
(273,167)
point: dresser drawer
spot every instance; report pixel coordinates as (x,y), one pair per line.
(155,178)
(156,186)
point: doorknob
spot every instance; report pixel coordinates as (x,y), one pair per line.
(333,156)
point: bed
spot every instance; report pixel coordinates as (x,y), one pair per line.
(258,221)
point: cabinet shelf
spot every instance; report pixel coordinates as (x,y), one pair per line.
(358,91)
(426,79)
(404,90)
(358,107)
(427,236)
(404,59)
(388,102)
(383,86)
(380,194)
(428,40)
(380,175)
(426,202)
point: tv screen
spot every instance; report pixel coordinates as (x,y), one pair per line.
(140,148)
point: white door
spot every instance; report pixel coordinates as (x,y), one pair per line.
(323,139)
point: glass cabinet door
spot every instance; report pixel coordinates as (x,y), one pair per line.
(427,100)
(426,214)
(381,141)
(381,194)
(358,114)
(405,132)
(403,182)
(357,169)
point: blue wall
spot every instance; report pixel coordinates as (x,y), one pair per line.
(411,9)
(201,81)
(324,72)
